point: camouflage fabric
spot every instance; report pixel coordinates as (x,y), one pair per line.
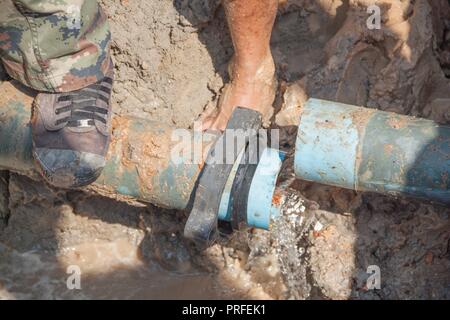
(54,45)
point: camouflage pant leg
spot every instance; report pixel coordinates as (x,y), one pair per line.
(54,45)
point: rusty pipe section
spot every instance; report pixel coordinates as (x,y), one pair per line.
(140,162)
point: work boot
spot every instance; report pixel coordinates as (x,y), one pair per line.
(71,133)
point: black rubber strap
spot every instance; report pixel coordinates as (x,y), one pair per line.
(241,186)
(201,225)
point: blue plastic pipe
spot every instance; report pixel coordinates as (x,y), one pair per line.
(139,162)
(370,150)
(264,204)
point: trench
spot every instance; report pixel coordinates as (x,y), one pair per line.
(135,250)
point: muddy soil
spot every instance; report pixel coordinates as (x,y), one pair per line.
(171,59)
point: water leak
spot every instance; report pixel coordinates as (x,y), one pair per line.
(288,234)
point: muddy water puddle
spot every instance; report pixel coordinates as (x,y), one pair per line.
(106,270)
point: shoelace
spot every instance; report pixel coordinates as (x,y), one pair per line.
(83,108)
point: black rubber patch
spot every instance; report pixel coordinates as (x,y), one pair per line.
(201,225)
